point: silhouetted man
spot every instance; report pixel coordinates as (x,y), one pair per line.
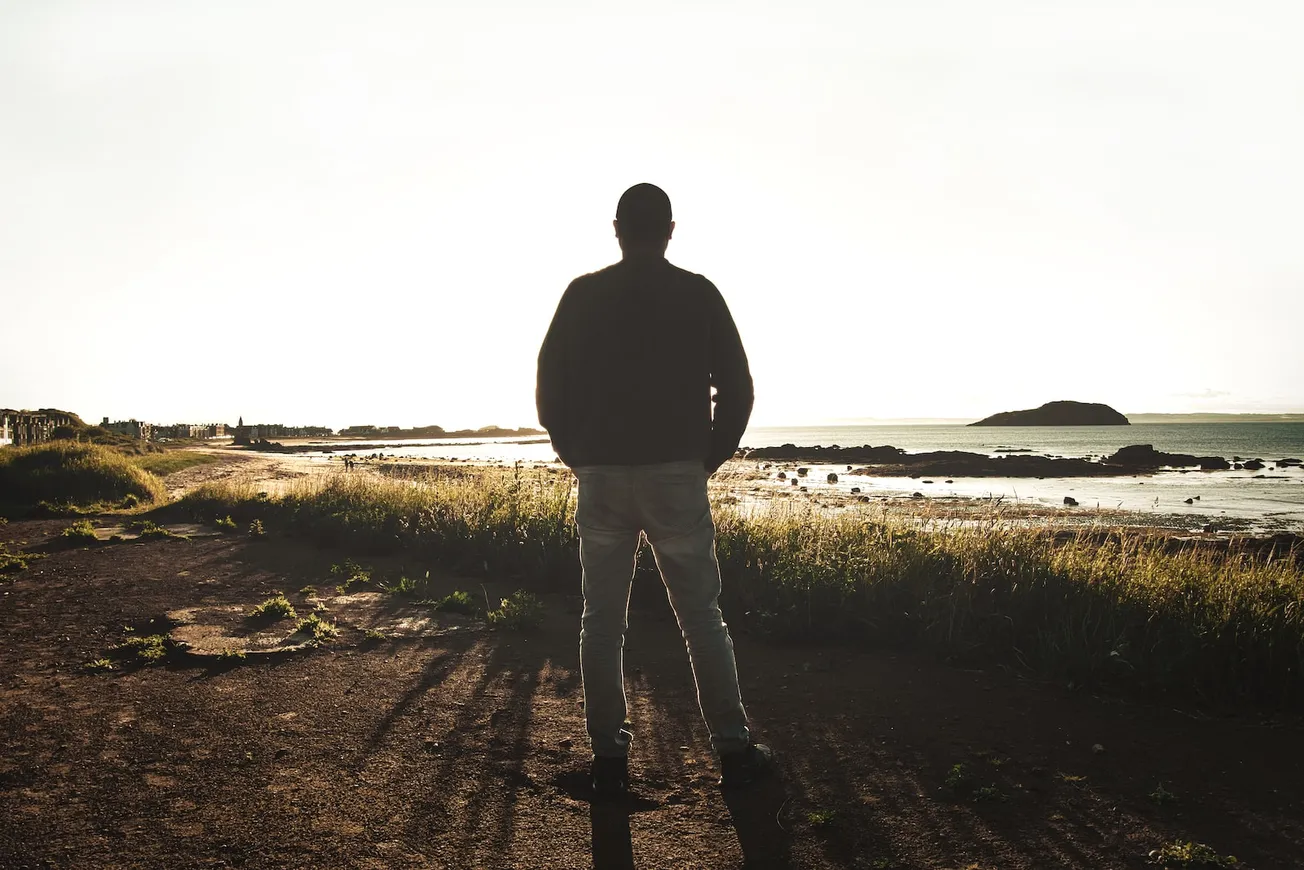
(624,390)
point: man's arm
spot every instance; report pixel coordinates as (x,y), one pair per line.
(550,382)
(732,380)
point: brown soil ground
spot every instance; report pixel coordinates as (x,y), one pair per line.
(449,745)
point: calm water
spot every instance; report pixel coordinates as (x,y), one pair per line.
(1269,500)
(1267,441)
(1250,440)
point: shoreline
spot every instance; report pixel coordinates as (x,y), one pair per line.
(746,482)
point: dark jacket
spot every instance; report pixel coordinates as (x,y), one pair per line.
(627,368)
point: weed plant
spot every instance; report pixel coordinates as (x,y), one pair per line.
(274,608)
(520,612)
(317,628)
(80,532)
(1090,607)
(144,650)
(12,563)
(66,476)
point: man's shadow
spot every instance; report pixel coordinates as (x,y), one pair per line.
(755,812)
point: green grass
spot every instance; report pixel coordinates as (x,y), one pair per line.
(148,530)
(455,602)
(80,532)
(319,629)
(520,612)
(163,464)
(12,563)
(822,818)
(274,608)
(146,650)
(1089,608)
(1183,855)
(226,524)
(68,476)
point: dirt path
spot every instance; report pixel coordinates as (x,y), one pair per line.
(460,747)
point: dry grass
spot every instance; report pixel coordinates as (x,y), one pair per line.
(1089,607)
(66,474)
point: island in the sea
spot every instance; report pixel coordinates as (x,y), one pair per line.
(1058,414)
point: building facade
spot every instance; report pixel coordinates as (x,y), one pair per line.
(130,428)
(23,428)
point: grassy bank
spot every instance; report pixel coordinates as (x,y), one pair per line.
(66,474)
(172,461)
(1093,609)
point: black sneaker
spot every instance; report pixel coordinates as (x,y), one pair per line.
(610,776)
(742,768)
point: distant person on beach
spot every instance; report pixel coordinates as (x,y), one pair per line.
(624,389)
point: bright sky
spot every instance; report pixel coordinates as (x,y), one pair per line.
(328,213)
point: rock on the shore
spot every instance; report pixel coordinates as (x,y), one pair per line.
(1070,501)
(1145,456)
(1062,413)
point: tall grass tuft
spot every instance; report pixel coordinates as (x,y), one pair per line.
(1091,608)
(70,474)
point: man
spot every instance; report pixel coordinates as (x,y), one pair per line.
(624,390)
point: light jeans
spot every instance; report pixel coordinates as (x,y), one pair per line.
(668,503)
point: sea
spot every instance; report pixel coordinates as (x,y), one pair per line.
(1267,500)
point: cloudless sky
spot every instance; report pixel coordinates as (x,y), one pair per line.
(329,213)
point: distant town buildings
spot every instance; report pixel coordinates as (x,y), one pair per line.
(21,428)
(130,428)
(202,431)
(266,431)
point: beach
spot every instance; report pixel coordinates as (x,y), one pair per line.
(1263,501)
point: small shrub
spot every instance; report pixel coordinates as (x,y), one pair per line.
(822,818)
(404,585)
(1182,855)
(308,590)
(147,530)
(958,778)
(320,629)
(256,529)
(231,655)
(373,636)
(353,574)
(455,602)
(130,501)
(1161,796)
(12,563)
(520,611)
(989,793)
(99,666)
(80,532)
(146,650)
(225,523)
(274,608)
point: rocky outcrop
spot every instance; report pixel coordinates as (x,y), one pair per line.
(1144,457)
(1058,414)
(888,461)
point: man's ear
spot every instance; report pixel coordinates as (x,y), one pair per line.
(670,234)
(615,225)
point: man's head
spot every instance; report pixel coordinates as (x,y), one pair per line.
(643,219)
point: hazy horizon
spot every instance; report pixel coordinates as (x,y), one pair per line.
(301,212)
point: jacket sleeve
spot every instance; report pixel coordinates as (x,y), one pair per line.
(732,380)
(550,382)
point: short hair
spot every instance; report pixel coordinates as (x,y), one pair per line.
(643,214)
